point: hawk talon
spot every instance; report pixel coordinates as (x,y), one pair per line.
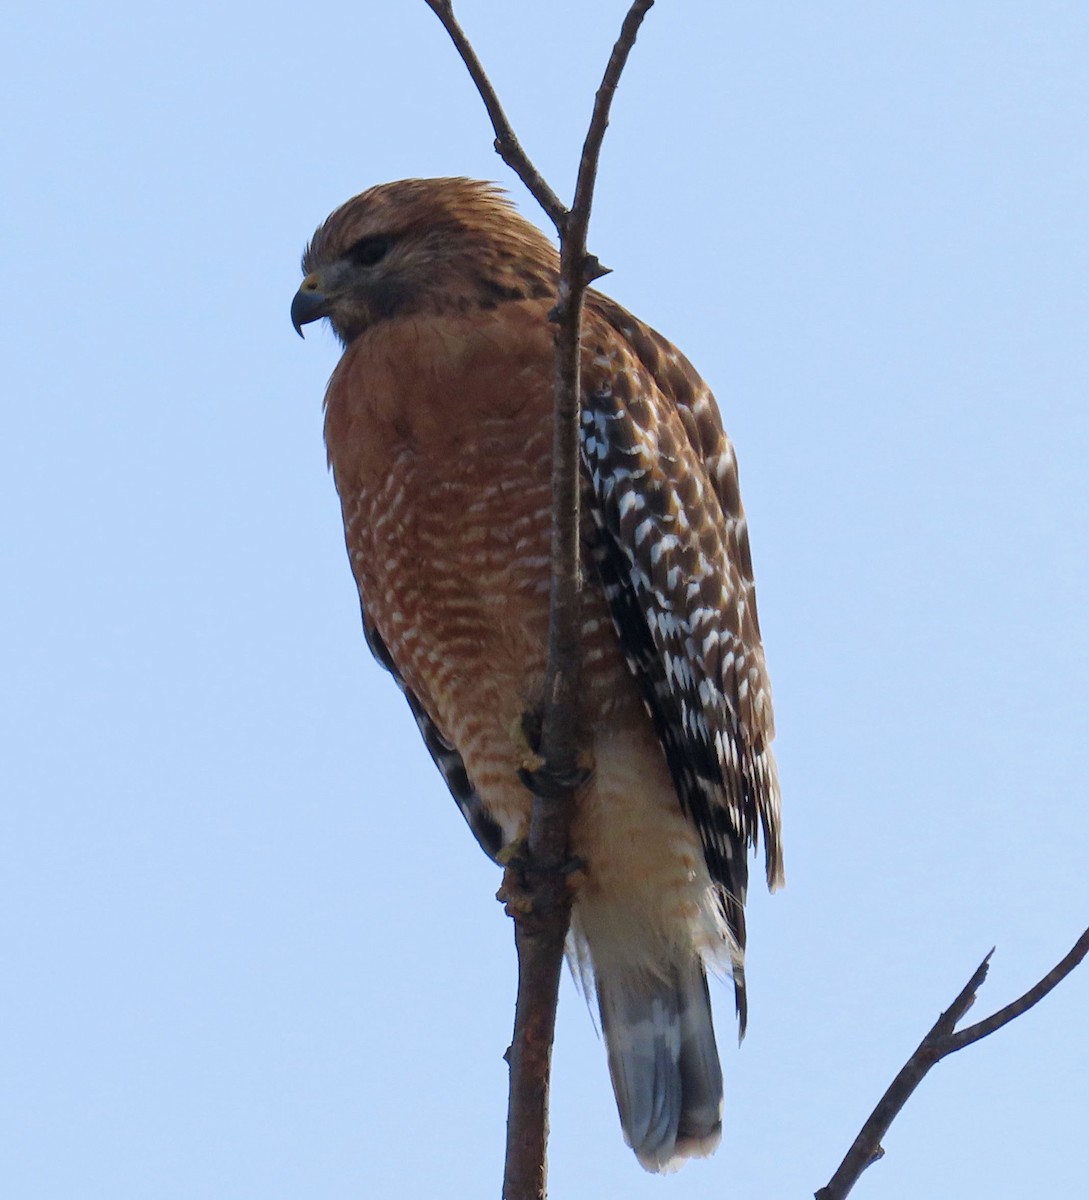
(554,785)
(531,725)
(574,870)
(574,865)
(525,890)
(514,893)
(512,852)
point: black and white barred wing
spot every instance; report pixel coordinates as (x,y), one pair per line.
(672,555)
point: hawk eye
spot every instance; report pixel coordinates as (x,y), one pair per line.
(369,250)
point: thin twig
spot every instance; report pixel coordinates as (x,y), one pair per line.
(577,271)
(507,145)
(965,1037)
(866,1148)
(574,240)
(942,1040)
(537,889)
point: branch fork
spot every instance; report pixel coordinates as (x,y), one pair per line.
(540,899)
(540,880)
(943,1039)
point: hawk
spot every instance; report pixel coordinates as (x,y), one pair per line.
(438,425)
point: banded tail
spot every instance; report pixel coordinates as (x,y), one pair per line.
(663,1061)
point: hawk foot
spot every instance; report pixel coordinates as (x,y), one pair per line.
(553,785)
(526,889)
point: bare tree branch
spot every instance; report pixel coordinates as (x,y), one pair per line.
(982,1029)
(507,145)
(942,1040)
(537,887)
(577,271)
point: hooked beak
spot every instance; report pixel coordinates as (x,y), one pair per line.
(310,303)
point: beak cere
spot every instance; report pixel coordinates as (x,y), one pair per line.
(310,304)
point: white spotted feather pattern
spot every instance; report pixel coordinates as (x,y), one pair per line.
(672,554)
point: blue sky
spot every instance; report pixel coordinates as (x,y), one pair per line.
(249,950)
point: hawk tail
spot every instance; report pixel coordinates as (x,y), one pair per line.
(663,1061)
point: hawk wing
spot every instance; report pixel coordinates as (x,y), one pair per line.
(444,754)
(672,553)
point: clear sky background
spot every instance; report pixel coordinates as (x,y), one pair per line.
(249,951)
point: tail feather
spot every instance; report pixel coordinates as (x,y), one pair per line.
(663,1061)
(700,1126)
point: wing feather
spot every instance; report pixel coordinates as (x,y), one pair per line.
(671,551)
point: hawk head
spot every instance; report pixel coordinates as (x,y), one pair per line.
(420,246)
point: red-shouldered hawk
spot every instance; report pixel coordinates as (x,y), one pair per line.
(438,423)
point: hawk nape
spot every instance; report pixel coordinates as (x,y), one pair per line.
(438,427)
